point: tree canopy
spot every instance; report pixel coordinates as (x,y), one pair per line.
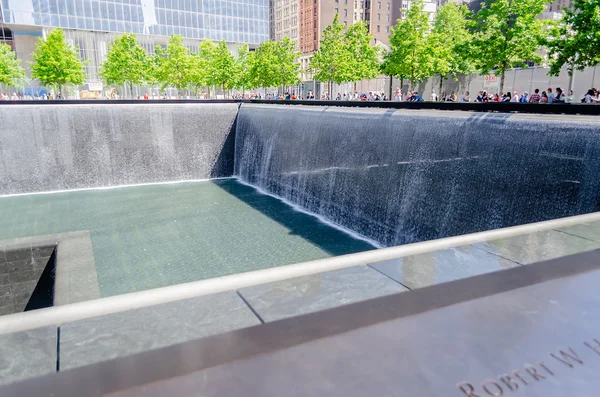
(224,65)
(275,63)
(508,33)
(332,62)
(55,62)
(576,40)
(126,62)
(450,42)
(175,65)
(410,56)
(11,72)
(364,58)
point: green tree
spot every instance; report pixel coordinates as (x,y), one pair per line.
(126,62)
(224,66)
(202,71)
(11,72)
(275,63)
(332,62)
(175,68)
(55,62)
(508,34)
(243,78)
(288,68)
(153,65)
(261,74)
(576,40)
(450,42)
(364,59)
(410,53)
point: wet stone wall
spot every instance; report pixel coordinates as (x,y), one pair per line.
(61,147)
(406,176)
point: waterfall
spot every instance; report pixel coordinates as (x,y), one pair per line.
(406,176)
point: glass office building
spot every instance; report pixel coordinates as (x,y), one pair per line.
(236,21)
(93,24)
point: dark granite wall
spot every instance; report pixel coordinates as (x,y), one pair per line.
(21,267)
(405,176)
(59,147)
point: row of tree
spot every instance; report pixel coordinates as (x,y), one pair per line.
(502,35)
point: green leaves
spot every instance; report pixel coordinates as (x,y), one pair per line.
(274,63)
(176,65)
(332,62)
(410,56)
(125,62)
(11,72)
(576,40)
(345,55)
(450,41)
(364,59)
(56,62)
(508,33)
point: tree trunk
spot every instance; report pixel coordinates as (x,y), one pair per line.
(441,86)
(330,89)
(355,87)
(391,84)
(131,89)
(59,90)
(571,77)
(502,75)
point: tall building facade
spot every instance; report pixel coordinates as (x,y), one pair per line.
(286,14)
(93,24)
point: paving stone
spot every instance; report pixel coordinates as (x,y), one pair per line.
(538,246)
(590,231)
(436,267)
(318,292)
(27,354)
(117,335)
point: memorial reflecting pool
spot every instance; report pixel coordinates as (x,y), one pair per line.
(157,235)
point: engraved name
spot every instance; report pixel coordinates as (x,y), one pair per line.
(518,379)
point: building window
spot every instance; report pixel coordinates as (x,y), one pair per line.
(345,23)
(389,5)
(388,17)
(387,29)
(379,5)
(379,17)
(345,1)
(337,10)
(345,13)
(378,29)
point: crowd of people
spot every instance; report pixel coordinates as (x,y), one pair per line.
(550,95)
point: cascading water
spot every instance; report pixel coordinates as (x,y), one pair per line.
(404,176)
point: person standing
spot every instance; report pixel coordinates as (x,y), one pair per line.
(570,98)
(550,95)
(560,96)
(515,97)
(535,97)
